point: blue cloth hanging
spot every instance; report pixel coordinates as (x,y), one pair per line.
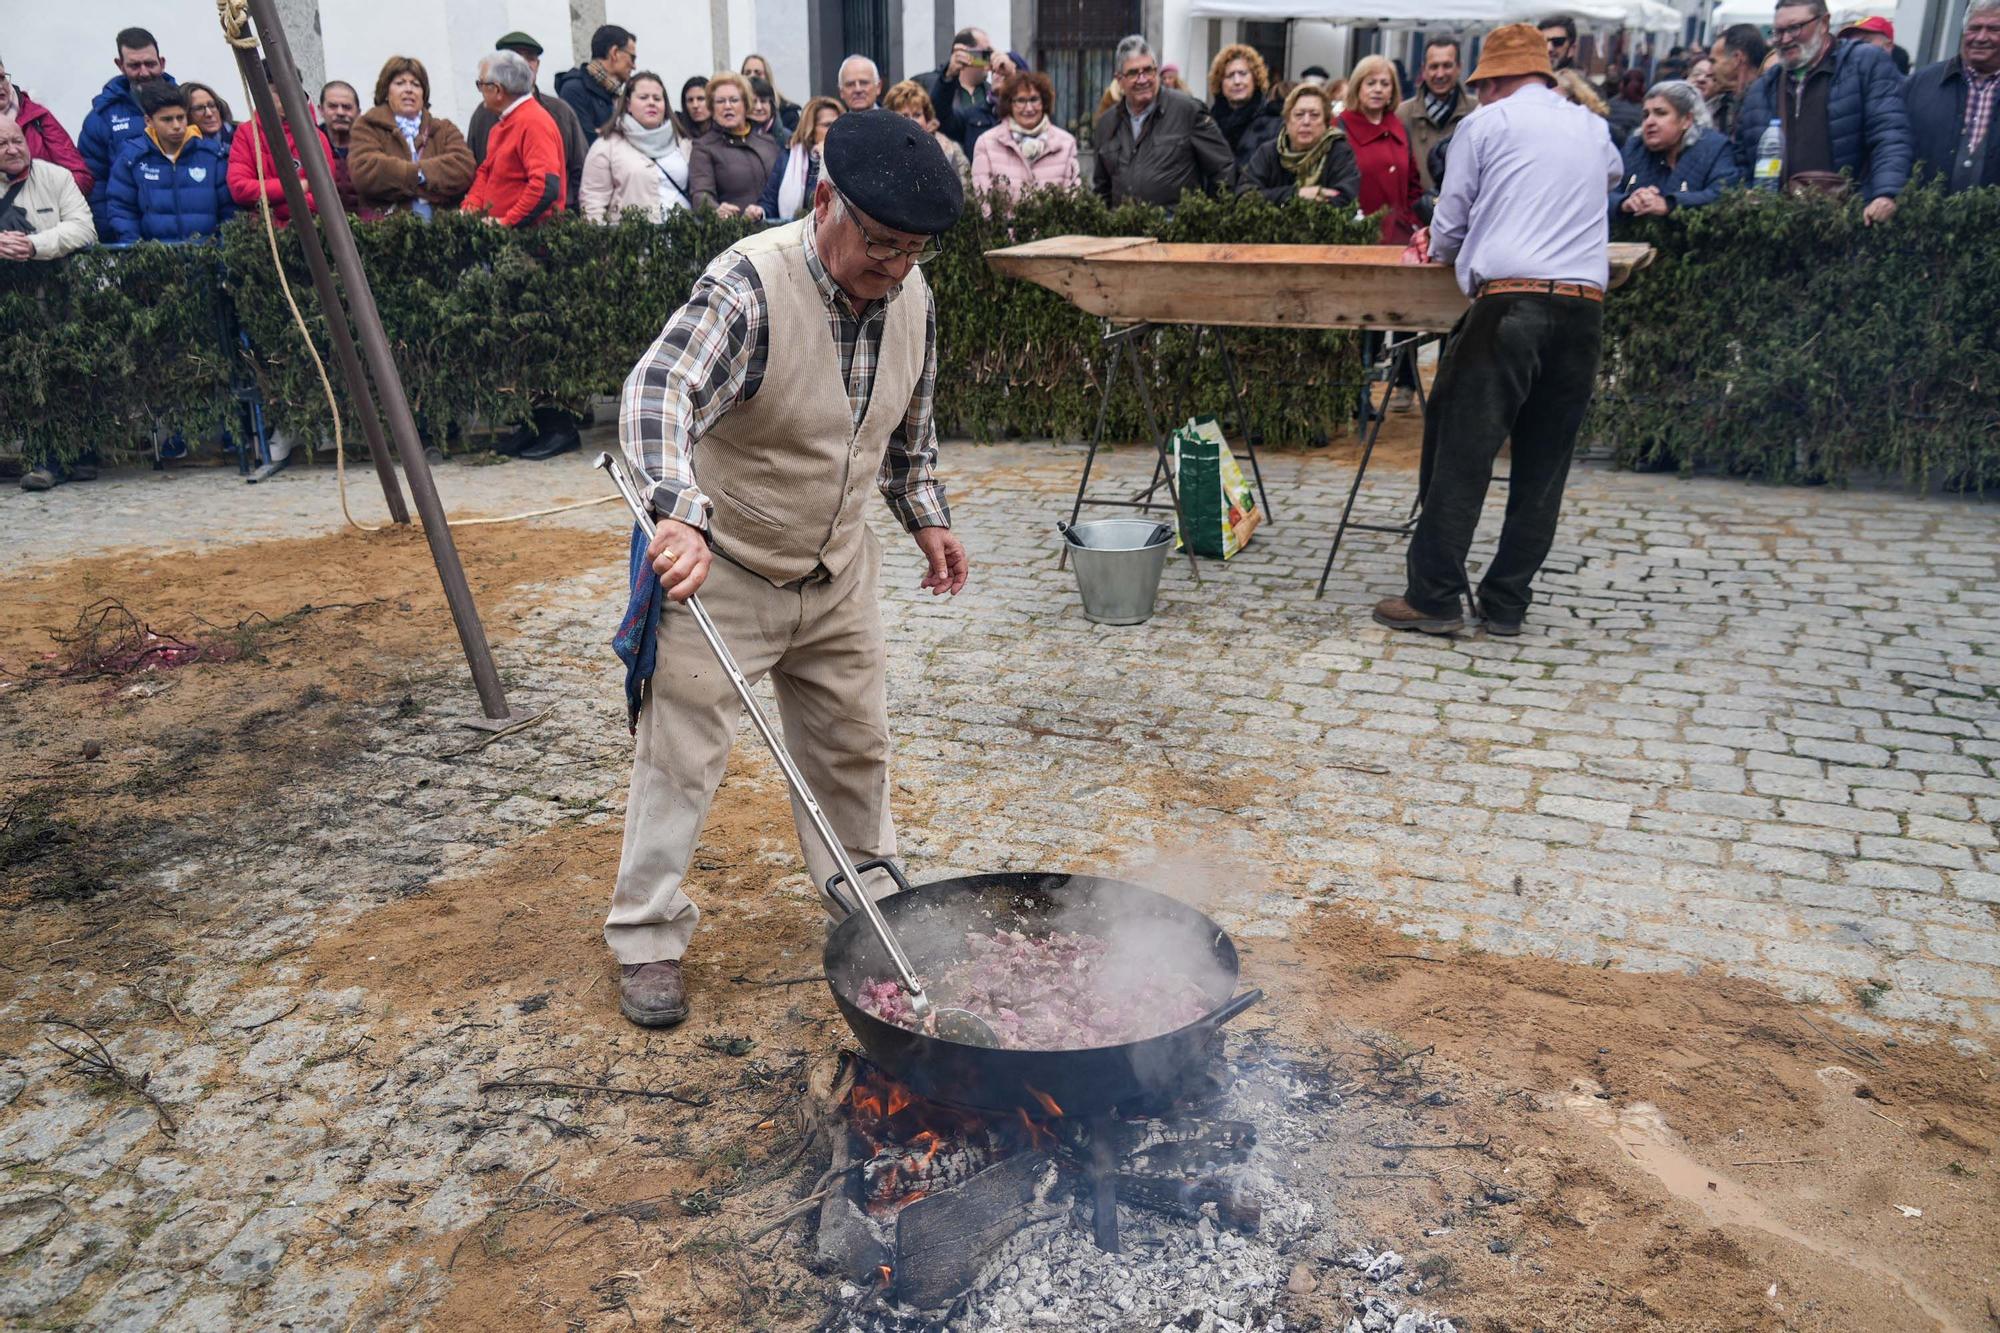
(638,638)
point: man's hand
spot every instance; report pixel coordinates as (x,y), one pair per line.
(728,210)
(681,558)
(16,245)
(961,56)
(948,565)
(1003,67)
(1879,211)
(754,212)
(1420,246)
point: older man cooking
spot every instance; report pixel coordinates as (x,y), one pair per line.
(759,482)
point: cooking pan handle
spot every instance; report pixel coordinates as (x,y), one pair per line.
(840,901)
(1233,1008)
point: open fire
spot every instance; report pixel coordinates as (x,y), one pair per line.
(938,1196)
(1210,1211)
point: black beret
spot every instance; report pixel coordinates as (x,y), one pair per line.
(890,168)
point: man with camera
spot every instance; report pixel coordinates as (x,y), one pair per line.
(959,87)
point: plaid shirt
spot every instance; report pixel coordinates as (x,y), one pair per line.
(712,355)
(1979,92)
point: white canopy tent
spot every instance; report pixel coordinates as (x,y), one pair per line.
(1731,12)
(1646,15)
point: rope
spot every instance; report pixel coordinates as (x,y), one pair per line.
(234,16)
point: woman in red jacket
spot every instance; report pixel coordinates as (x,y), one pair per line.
(1389,180)
(1389,176)
(244,150)
(47,140)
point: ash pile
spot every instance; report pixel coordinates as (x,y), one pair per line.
(1219,1218)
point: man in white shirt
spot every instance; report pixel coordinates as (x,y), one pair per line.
(1521,212)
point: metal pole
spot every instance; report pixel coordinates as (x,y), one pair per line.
(329,298)
(375,347)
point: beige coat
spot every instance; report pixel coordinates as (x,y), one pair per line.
(56,209)
(1425,136)
(617,176)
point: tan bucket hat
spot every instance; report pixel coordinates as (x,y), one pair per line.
(1517,48)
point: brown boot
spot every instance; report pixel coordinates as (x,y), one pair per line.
(1399,614)
(652,994)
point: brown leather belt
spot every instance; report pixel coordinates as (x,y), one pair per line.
(1541,287)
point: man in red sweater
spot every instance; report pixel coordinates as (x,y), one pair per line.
(521,180)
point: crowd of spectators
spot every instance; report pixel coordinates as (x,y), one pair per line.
(1820,105)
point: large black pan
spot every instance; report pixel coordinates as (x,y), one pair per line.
(1086,1082)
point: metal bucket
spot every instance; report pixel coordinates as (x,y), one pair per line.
(1118,563)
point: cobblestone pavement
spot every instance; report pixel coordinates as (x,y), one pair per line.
(1752,729)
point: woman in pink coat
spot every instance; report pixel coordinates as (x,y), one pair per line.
(1026,150)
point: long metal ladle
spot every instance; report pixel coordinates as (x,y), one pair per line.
(959,1025)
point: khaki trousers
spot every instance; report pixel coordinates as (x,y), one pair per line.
(821,643)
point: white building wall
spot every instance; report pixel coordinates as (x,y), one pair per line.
(784,38)
(919,51)
(995,16)
(61,52)
(675,39)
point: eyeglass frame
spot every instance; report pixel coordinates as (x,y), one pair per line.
(918,257)
(1793,31)
(1125,74)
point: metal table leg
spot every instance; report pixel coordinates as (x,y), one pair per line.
(1404,351)
(1124,346)
(1243,422)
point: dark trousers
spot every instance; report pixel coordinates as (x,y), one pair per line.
(1519,365)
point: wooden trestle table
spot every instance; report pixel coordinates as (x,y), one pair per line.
(1137,284)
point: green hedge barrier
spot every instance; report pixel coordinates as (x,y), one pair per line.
(1776,338)
(1782,338)
(488,321)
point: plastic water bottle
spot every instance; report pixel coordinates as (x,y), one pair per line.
(1771,156)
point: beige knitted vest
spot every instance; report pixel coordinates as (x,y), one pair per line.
(789,474)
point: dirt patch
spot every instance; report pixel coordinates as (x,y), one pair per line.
(300,642)
(1661,1151)
(387,576)
(1674,1152)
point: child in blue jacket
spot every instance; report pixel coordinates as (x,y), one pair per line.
(170,184)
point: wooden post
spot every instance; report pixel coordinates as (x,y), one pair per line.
(329,298)
(375,347)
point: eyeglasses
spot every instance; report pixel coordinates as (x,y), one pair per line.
(886,251)
(483,84)
(1140,74)
(1027,101)
(1788,32)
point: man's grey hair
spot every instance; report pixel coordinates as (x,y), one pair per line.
(1131,47)
(1685,98)
(1818,7)
(511,71)
(874,72)
(1437,39)
(1976,7)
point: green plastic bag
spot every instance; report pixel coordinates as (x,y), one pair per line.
(1220,506)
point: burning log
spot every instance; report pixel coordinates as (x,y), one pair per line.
(1184,1198)
(948,1243)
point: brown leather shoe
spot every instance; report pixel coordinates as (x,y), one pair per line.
(652,994)
(1399,614)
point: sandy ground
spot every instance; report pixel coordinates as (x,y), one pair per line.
(1660,1152)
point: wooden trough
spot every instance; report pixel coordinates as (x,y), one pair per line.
(1134,279)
